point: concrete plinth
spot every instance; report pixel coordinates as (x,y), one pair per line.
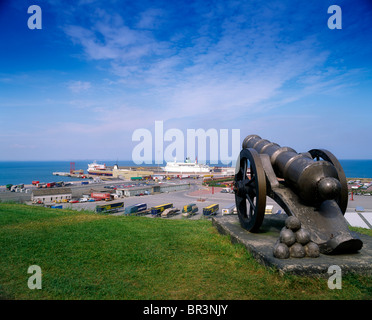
(261,245)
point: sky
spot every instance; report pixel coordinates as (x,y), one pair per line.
(97,71)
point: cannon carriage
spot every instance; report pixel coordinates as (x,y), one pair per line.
(311,186)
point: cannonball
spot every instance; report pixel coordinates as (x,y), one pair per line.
(297,251)
(312,250)
(293,223)
(281,251)
(302,236)
(287,237)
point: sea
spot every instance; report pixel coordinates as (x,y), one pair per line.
(18,172)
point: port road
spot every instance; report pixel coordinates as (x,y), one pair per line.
(203,197)
(200,195)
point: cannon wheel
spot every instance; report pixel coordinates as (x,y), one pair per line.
(328,156)
(250,190)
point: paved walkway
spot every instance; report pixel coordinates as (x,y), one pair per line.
(359,219)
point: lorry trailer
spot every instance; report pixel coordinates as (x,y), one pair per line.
(109,208)
(211,210)
(136,208)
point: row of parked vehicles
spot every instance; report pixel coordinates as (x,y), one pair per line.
(165,210)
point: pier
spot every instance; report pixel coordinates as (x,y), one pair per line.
(79,174)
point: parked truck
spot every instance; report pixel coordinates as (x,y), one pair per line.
(136,209)
(98,196)
(60,184)
(230,209)
(109,208)
(211,210)
(189,210)
(169,212)
(157,210)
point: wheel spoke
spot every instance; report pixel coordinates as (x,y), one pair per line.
(251,202)
(251,212)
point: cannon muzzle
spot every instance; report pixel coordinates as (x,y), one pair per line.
(329,188)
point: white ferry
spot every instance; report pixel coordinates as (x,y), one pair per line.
(93,167)
(186,167)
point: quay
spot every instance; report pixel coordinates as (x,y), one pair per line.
(73,175)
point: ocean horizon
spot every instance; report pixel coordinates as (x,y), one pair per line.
(17,172)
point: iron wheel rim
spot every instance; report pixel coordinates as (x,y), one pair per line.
(250,193)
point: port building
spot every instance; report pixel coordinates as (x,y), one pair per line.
(127,174)
(49,195)
(151,189)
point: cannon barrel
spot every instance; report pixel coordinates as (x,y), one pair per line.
(313,190)
(313,181)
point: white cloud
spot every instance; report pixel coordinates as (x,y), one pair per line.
(226,67)
(150,19)
(79,86)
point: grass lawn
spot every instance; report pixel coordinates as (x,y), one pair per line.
(88,256)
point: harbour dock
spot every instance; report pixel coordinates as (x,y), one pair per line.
(69,174)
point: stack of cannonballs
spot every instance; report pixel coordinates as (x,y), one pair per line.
(294,241)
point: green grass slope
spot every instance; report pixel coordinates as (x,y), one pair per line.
(83,255)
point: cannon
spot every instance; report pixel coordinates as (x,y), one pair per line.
(310,186)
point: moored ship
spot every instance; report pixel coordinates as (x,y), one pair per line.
(186,167)
(99,169)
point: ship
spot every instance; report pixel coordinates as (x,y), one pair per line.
(99,169)
(186,167)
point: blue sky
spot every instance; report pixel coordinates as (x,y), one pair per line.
(98,70)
